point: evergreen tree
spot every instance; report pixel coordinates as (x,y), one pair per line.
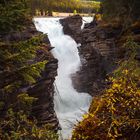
(19,69)
(14,15)
(123,9)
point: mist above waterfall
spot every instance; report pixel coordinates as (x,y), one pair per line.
(69,104)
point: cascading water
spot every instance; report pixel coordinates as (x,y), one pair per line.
(69,104)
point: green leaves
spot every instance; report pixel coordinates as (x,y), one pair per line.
(19,61)
(14,16)
(18,126)
(49,6)
(22,63)
(24,98)
(124,10)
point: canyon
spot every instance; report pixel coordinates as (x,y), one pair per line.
(97,54)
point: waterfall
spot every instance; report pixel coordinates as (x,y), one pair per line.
(69,104)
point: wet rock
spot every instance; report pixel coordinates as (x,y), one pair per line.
(72,26)
(98,53)
(43,89)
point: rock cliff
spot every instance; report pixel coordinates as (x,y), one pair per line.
(43,89)
(43,108)
(72,26)
(98,53)
(100,50)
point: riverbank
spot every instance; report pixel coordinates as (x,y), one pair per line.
(110,59)
(58,14)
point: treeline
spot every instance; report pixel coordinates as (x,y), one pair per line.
(123,9)
(50,6)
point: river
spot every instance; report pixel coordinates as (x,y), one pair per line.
(69,104)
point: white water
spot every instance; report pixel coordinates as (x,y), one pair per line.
(69,104)
(86,20)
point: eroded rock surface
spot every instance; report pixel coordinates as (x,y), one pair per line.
(100,50)
(43,108)
(98,53)
(72,26)
(43,89)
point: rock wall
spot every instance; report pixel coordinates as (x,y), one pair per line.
(43,108)
(43,89)
(72,26)
(98,53)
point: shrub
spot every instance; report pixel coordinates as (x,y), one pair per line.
(19,69)
(18,126)
(13,15)
(123,9)
(116,113)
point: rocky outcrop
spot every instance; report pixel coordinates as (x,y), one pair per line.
(72,26)
(43,108)
(98,53)
(43,89)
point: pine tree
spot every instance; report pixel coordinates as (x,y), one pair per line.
(19,69)
(14,15)
(122,9)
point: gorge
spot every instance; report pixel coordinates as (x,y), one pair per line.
(66,78)
(69,104)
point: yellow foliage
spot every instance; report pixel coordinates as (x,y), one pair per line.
(115,114)
(18,126)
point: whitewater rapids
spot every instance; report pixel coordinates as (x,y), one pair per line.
(69,104)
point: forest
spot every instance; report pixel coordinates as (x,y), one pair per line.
(114,114)
(64,6)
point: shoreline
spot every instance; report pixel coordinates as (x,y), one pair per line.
(57,14)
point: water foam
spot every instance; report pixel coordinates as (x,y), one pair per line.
(69,104)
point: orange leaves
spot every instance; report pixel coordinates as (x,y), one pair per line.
(116,113)
(113,112)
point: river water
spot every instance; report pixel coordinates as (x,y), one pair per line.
(69,104)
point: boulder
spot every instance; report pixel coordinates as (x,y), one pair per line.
(98,53)
(72,26)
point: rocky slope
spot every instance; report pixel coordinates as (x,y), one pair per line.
(100,51)
(43,89)
(43,109)
(98,54)
(71,26)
